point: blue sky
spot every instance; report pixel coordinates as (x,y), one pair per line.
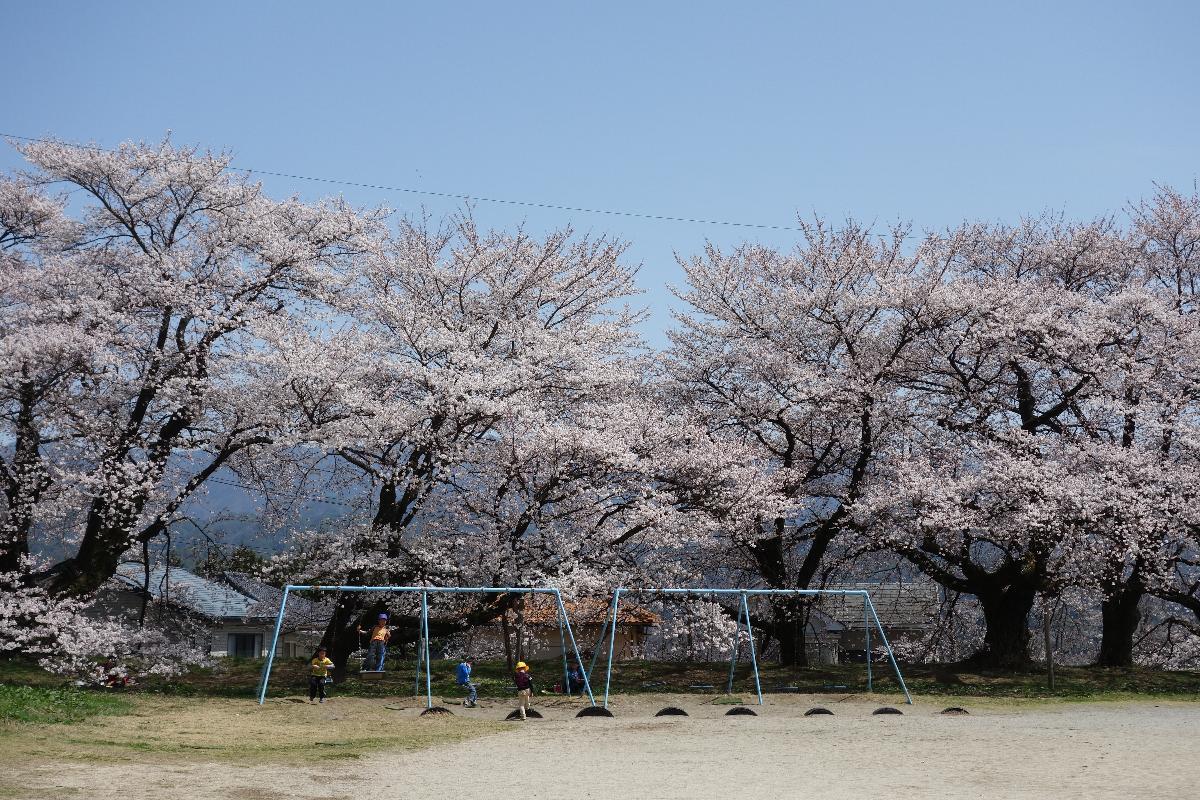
(884,111)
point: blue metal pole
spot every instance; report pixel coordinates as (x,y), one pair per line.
(612,644)
(587,683)
(562,642)
(867,634)
(753,654)
(599,645)
(420,661)
(262,691)
(420,651)
(733,659)
(425,630)
(891,655)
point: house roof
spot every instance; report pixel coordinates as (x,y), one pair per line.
(187,590)
(588,611)
(267,598)
(238,596)
(899,605)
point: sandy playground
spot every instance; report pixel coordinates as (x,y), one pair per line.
(380,750)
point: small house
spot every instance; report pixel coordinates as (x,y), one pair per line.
(238,612)
(588,617)
(905,609)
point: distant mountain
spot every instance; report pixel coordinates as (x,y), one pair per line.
(231,515)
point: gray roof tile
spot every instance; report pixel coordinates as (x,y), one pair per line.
(188,590)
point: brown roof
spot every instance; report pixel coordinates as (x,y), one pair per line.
(588,611)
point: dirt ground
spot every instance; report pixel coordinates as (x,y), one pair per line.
(353,748)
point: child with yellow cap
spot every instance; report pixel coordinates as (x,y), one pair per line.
(524,682)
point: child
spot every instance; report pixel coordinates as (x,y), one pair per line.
(320,671)
(462,677)
(378,647)
(524,683)
(575,682)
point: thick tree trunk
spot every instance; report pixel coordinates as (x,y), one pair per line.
(520,629)
(24,481)
(340,638)
(1121,614)
(788,625)
(97,559)
(506,635)
(1006,613)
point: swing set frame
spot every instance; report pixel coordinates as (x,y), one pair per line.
(564,625)
(869,616)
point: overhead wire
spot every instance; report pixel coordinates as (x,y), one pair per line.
(293,496)
(458,196)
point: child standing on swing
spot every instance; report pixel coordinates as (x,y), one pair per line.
(377,649)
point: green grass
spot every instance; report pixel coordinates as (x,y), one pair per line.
(38,704)
(1071,683)
(238,678)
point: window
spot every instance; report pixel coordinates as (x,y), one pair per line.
(244,645)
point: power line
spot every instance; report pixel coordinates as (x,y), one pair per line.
(455,196)
(306,498)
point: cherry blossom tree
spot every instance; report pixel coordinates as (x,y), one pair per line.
(1161,402)
(454,364)
(123,336)
(1037,461)
(796,358)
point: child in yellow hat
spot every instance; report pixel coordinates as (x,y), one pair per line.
(524,683)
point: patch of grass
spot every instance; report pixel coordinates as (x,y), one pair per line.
(1071,683)
(19,671)
(37,704)
(172,730)
(949,680)
(238,678)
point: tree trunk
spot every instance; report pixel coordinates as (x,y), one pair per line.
(341,637)
(505,635)
(1006,612)
(520,626)
(26,480)
(790,629)
(1121,615)
(97,559)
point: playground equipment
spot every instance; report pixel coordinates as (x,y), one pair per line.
(564,622)
(869,616)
